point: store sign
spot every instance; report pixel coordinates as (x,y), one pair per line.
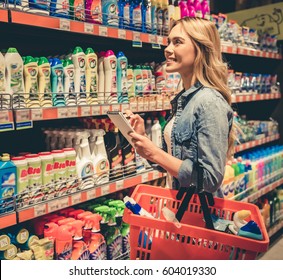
(265,19)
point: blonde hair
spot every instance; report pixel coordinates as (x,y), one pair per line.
(209,68)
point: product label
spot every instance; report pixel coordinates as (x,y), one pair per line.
(100,252)
(126,243)
(2,79)
(130,82)
(7,184)
(79,10)
(23,179)
(48,172)
(148,20)
(127,15)
(71,167)
(114,249)
(62,7)
(59,168)
(34,174)
(87,170)
(16,82)
(159,20)
(160,83)
(138,84)
(113,15)
(137,17)
(165,22)
(95,11)
(66,252)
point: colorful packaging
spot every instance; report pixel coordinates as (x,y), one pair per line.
(22,174)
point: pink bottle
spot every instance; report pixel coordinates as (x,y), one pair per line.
(198,8)
(183,8)
(191,8)
(205,9)
(93,11)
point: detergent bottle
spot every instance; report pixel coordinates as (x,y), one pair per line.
(136,15)
(15,78)
(5,101)
(64,241)
(80,250)
(31,85)
(69,82)
(177,10)
(97,246)
(165,24)
(128,153)
(77,10)
(130,82)
(122,82)
(93,11)
(124,14)
(205,9)
(44,84)
(91,77)
(101,78)
(57,83)
(60,8)
(50,231)
(159,14)
(183,8)
(110,72)
(79,60)
(146,16)
(154,16)
(110,13)
(156,133)
(138,81)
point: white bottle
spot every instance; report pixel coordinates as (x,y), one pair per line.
(110,82)
(156,133)
(91,77)
(44,83)
(148,127)
(69,82)
(15,78)
(78,58)
(5,99)
(101,78)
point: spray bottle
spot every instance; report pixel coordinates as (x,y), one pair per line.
(69,82)
(91,77)
(78,58)
(122,83)
(63,244)
(44,84)
(57,83)
(110,72)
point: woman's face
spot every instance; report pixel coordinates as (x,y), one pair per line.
(180,53)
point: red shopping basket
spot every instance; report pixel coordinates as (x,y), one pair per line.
(158,239)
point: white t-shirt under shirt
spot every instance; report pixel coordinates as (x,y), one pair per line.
(167,139)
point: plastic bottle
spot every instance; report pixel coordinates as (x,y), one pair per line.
(91,76)
(70,154)
(60,8)
(101,78)
(135,15)
(156,133)
(79,58)
(44,84)
(154,16)
(4,100)
(171,12)
(63,244)
(177,10)
(110,72)
(166,22)
(47,164)
(15,78)
(205,9)
(93,11)
(57,83)
(198,8)
(276,207)
(183,9)
(122,82)
(69,82)
(159,14)
(146,16)
(148,126)
(128,154)
(77,10)
(110,13)
(22,174)
(130,82)
(34,171)
(31,85)
(138,80)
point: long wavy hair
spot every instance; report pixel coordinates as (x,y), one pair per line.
(209,67)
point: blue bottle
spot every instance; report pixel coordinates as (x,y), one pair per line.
(43,6)
(110,13)
(57,83)
(122,81)
(136,15)
(59,8)
(146,16)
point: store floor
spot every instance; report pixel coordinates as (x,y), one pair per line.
(275,251)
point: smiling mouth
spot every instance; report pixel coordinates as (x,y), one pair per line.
(170,60)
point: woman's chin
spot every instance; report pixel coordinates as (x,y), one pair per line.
(170,69)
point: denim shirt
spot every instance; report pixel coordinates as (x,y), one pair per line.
(203,120)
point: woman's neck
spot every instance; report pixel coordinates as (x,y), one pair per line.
(188,81)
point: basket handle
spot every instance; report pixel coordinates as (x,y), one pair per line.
(204,197)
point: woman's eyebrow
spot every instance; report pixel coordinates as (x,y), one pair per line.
(174,38)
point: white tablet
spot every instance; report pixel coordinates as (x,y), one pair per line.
(119,120)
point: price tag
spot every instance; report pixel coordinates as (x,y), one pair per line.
(88,28)
(120,185)
(241,98)
(166,105)
(116,107)
(152,106)
(72,112)
(140,106)
(63,202)
(65,24)
(144,177)
(159,40)
(136,36)
(103,31)
(105,109)
(241,50)
(91,194)
(85,111)
(36,114)
(262,96)
(53,206)
(134,106)
(125,107)
(62,113)
(105,190)
(122,34)
(39,210)
(22,115)
(4,116)
(95,110)
(224,49)
(155,175)
(145,106)
(253,97)
(152,39)
(76,198)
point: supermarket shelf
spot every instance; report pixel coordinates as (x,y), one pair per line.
(8,220)
(83,27)
(44,208)
(238,98)
(256,143)
(263,191)
(4,15)
(275,228)
(6,120)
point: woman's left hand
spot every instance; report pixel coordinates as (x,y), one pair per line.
(144,146)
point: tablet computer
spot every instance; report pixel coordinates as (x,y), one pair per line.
(120,121)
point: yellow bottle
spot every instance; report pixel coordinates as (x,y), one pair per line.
(177,14)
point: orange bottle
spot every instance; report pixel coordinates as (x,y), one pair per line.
(75,213)
(64,242)
(65,221)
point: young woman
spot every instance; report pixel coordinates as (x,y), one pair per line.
(199,129)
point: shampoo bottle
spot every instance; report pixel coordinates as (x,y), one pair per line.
(78,58)
(69,82)
(57,83)
(122,82)
(91,77)
(110,72)
(44,84)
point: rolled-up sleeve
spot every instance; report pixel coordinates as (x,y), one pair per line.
(212,125)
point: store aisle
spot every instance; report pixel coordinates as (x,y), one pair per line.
(275,251)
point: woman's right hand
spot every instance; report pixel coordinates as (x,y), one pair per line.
(136,121)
